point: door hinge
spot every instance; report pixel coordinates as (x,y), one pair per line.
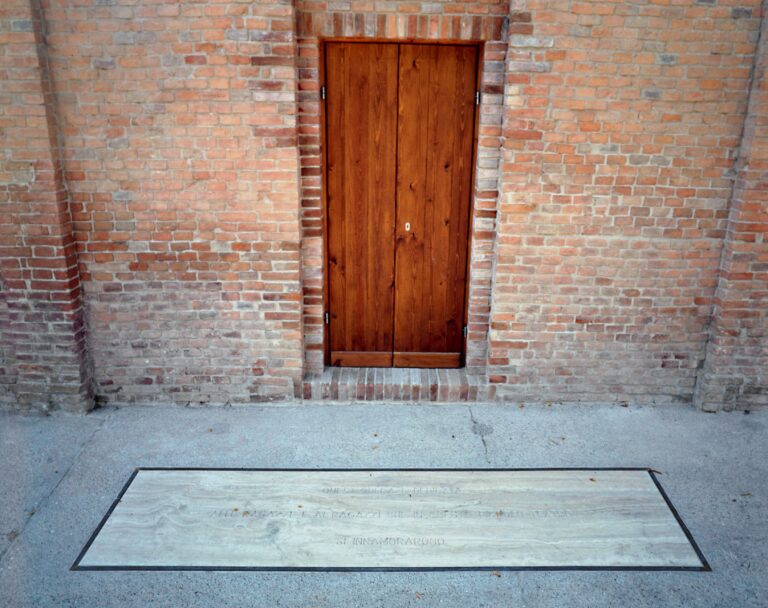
(477,98)
(464,331)
(322,92)
(327,318)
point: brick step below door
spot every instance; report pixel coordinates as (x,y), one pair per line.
(392,384)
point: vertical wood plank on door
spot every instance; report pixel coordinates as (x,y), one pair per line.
(436,115)
(361,81)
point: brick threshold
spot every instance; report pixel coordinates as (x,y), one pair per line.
(396,384)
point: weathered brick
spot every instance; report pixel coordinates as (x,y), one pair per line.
(106,63)
(531,41)
(741,12)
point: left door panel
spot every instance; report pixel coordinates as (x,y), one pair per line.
(361,135)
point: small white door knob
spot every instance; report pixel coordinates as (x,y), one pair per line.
(407,226)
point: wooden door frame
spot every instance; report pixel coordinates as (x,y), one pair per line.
(480,46)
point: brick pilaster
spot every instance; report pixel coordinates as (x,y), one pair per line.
(44,361)
(735,371)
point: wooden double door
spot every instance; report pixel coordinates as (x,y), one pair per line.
(400,122)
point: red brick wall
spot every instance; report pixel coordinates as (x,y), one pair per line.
(168,165)
(43,359)
(180,154)
(622,122)
(735,372)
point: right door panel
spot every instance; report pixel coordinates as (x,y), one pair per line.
(436,117)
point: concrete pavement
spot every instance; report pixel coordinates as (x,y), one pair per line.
(60,473)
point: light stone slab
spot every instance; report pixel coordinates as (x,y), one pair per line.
(398,519)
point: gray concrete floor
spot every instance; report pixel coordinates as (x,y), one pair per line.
(59,474)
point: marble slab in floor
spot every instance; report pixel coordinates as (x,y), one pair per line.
(186,519)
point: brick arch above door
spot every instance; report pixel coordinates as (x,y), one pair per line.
(436,21)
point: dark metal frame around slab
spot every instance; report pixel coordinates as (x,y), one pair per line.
(705,567)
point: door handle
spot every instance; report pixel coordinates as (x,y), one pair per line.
(407,226)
